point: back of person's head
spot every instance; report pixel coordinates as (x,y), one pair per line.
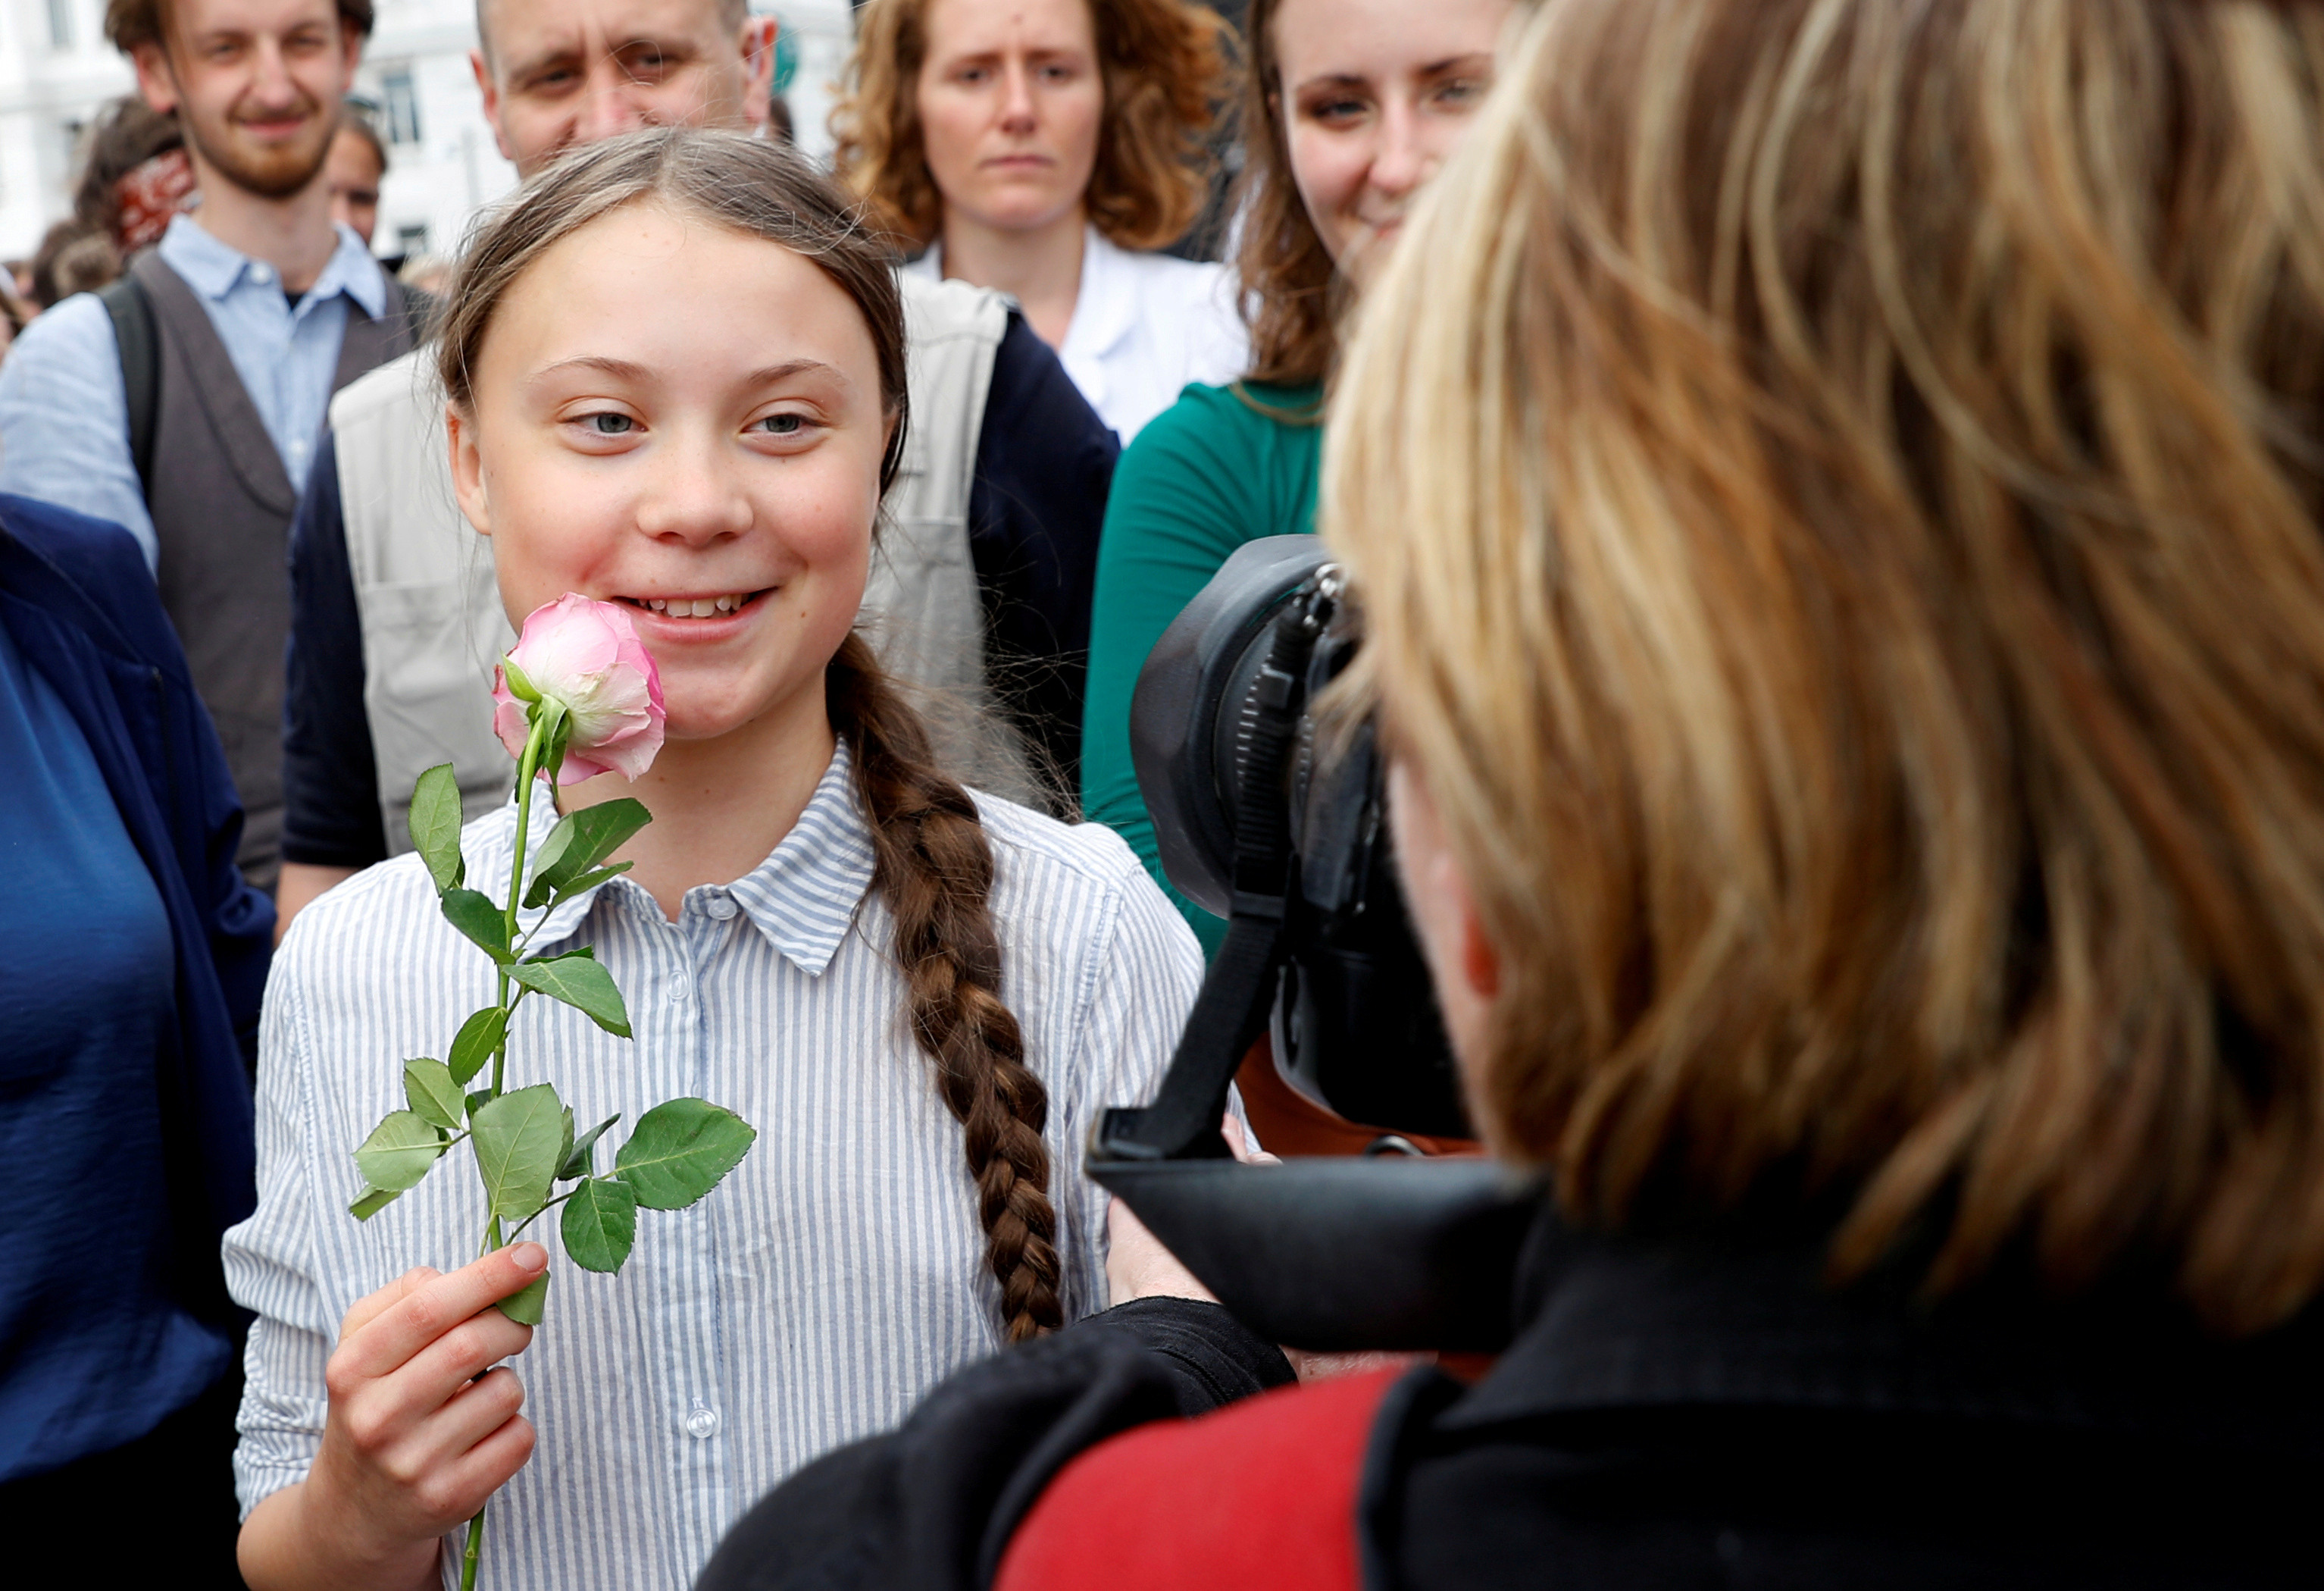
(933,862)
(127,134)
(72,258)
(1165,71)
(1837,510)
(129,24)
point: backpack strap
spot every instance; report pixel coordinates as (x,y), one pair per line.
(138,339)
(1264,1493)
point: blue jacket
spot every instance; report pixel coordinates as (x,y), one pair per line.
(77,597)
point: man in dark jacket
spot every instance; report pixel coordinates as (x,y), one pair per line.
(132,956)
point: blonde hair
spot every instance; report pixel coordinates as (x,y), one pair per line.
(1838,514)
(1165,68)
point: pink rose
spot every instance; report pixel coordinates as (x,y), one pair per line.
(588,656)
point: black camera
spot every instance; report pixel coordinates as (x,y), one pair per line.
(1354,1021)
(1277,822)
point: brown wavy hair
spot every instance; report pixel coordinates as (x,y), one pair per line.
(1841,517)
(1291,297)
(933,862)
(1166,66)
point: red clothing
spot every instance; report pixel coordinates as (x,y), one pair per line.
(1260,1494)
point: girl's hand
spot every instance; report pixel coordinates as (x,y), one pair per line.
(1137,1265)
(421,1431)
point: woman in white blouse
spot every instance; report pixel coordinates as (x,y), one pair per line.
(1045,148)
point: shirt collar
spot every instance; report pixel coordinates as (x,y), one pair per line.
(214,269)
(803,897)
(1106,307)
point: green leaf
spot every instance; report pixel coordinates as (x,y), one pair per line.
(475,915)
(434,1094)
(596,876)
(477,1101)
(580,983)
(680,1150)
(436,826)
(519,686)
(576,1160)
(566,1151)
(374,1199)
(579,842)
(517,1138)
(399,1152)
(601,1223)
(479,1036)
(526,1307)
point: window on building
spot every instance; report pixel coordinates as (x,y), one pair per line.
(60,24)
(402,106)
(411,238)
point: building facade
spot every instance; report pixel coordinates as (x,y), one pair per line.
(57,71)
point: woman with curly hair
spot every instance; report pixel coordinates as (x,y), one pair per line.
(1046,148)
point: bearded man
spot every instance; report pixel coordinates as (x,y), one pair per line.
(184,401)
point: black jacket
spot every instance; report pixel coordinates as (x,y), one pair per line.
(1686,1413)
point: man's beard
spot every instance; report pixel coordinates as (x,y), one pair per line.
(272,172)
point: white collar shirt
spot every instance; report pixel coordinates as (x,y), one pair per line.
(834,1275)
(1145,327)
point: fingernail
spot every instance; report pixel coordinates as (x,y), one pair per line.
(529,1257)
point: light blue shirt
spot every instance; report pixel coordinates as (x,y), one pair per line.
(64,414)
(834,1277)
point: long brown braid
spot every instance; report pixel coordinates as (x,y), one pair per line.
(933,868)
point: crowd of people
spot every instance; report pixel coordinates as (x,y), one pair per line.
(1830,491)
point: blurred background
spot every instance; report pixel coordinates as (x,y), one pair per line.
(57,71)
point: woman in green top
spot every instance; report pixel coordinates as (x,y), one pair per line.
(1356,103)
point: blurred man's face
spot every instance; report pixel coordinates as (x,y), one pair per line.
(256,85)
(353,171)
(557,74)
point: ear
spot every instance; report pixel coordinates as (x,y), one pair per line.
(155,80)
(467,469)
(351,49)
(758,44)
(490,88)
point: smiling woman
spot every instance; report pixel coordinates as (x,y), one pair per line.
(675,379)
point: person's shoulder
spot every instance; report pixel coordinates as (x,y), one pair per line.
(347,921)
(69,330)
(1038,857)
(403,387)
(94,552)
(65,349)
(1224,433)
(97,558)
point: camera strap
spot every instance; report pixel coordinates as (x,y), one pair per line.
(1239,991)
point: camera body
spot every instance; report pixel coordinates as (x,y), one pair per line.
(1353,1017)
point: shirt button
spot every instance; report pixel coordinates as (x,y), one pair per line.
(702,1422)
(260,274)
(678,990)
(720,906)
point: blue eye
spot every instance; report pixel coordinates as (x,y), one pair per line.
(612,425)
(783,425)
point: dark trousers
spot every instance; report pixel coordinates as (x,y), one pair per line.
(158,1510)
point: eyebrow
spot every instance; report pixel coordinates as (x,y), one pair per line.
(1434,68)
(679,48)
(626,370)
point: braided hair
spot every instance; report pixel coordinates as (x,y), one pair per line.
(933,866)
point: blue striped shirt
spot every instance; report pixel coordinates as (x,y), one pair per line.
(833,1277)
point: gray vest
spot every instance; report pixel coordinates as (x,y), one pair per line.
(222,511)
(430,609)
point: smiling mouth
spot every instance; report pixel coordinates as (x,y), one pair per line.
(696,607)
